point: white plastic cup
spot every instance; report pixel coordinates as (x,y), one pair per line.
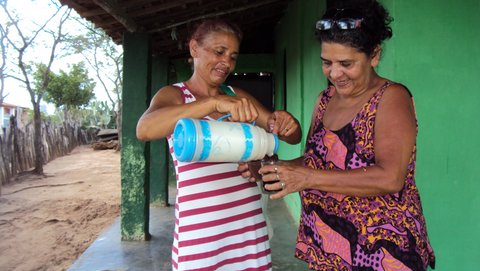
(217,141)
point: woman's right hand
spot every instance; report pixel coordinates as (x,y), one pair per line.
(240,108)
(291,173)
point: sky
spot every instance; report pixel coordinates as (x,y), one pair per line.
(38,12)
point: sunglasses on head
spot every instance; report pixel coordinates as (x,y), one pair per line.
(344,24)
(344,19)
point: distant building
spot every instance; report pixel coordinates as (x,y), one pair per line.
(8,110)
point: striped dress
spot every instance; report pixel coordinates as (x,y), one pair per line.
(219,220)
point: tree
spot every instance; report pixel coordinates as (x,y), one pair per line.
(3,65)
(106,59)
(23,41)
(98,114)
(67,90)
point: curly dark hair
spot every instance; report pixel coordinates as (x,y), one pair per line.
(373,30)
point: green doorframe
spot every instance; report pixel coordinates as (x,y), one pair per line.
(159,152)
(134,174)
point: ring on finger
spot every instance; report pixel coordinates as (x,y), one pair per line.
(282,183)
(278,177)
(276,170)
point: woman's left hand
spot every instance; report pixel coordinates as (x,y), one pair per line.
(282,123)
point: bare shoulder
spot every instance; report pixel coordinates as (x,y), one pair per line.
(397,91)
(167,95)
(396,108)
(396,95)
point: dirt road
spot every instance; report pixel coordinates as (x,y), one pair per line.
(46,223)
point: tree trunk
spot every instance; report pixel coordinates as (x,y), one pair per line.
(37,124)
(118,120)
(14,132)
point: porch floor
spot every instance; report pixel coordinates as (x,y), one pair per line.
(109,253)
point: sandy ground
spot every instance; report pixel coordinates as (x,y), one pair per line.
(46,223)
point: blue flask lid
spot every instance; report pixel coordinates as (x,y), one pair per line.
(184,140)
(275,150)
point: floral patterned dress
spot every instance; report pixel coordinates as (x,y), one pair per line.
(339,232)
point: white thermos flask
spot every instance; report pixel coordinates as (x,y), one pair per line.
(219,141)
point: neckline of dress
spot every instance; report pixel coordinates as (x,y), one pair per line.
(375,94)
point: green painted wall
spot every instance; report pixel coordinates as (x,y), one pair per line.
(435,52)
(299,70)
(182,70)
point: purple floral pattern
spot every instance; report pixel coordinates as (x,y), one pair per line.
(339,232)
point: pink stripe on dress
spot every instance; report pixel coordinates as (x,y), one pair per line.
(217,222)
(222,235)
(203,255)
(219,207)
(208,194)
(236,260)
(208,178)
(192,166)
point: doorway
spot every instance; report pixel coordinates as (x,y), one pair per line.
(259,85)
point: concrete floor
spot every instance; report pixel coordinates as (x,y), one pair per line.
(109,253)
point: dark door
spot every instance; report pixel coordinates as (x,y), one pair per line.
(259,85)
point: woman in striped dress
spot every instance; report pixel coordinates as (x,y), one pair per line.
(219,220)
